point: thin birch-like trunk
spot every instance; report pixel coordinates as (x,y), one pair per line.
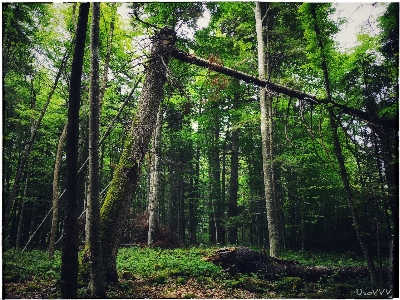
(56,197)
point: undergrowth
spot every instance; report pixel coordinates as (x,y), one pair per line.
(149,272)
(19,266)
(151,262)
(346,259)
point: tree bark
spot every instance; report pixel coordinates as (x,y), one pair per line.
(126,175)
(267,143)
(234,180)
(21,214)
(216,207)
(69,266)
(181,198)
(56,198)
(194,185)
(154,192)
(107,62)
(95,259)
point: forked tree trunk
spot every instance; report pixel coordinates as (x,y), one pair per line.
(266,138)
(126,175)
(69,256)
(154,192)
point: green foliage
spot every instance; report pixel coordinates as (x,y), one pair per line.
(159,264)
(290,284)
(249,283)
(22,266)
(324,259)
(165,272)
(308,183)
(389,23)
(174,15)
(190,296)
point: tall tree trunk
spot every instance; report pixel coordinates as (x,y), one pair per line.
(350,197)
(154,192)
(171,209)
(339,153)
(216,207)
(181,199)
(126,175)
(93,209)
(21,214)
(266,137)
(223,193)
(108,57)
(56,198)
(234,178)
(194,184)
(69,256)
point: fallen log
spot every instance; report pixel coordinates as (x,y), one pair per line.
(369,118)
(244,260)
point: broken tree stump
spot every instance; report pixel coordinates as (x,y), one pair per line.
(244,260)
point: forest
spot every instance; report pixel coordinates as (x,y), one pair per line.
(147,156)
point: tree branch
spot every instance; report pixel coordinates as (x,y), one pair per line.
(372,119)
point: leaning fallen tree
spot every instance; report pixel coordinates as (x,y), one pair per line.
(373,120)
(244,260)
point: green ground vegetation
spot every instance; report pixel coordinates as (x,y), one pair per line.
(179,273)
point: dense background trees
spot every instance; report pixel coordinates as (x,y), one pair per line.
(333,175)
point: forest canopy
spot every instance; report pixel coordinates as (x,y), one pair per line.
(257,129)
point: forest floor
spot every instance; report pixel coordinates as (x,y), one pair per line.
(182,273)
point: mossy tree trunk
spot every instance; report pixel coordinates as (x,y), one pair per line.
(120,194)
